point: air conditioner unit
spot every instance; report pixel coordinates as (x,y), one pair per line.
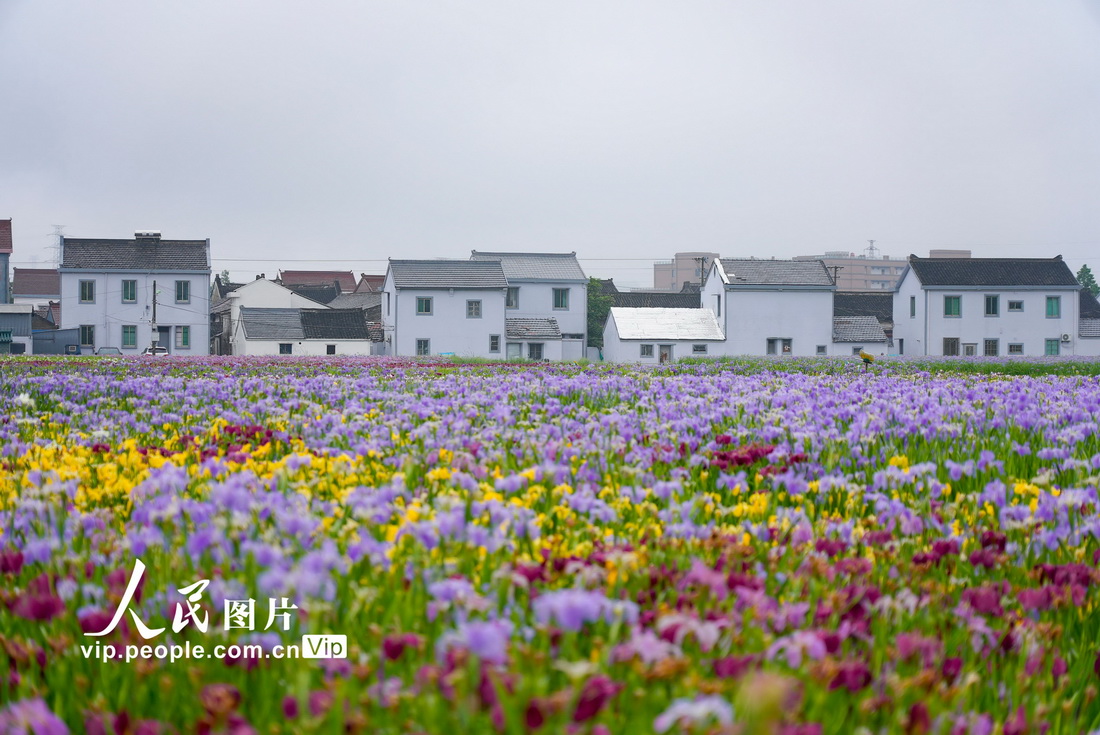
(1065,337)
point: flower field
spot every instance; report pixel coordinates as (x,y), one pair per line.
(787,547)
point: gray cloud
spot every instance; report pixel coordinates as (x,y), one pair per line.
(359,130)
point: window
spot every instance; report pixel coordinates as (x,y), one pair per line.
(1054,308)
(285,348)
(952,306)
(512,300)
(87,335)
(992,305)
(387,303)
(912,307)
(494,343)
(718,299)
(183,336)
(857,350)
(129,291)
(821,350)
(473,309)
(646,351)
(561,298)
(1015,305)
(423,347)
(424,305)
(1016,349)
(1053,346)
(514,351)
(901,346)
(951,346)
(698,349)
(534,351)
(87,292)
(970,349)
(777,345)
(183,292)
(129,335)
(990,348)
(330,349)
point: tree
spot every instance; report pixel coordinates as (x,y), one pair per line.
(599,305)
(225,275)
(1088,281)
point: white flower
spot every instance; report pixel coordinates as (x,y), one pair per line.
(691,712)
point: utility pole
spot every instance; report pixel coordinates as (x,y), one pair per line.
(836,274)
(702,261)
(154,330)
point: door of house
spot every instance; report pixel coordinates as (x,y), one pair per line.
(664,353)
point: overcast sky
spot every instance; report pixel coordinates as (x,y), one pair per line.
(352,131)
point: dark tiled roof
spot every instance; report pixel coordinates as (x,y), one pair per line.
(776,272)
(656,300)
(441,274)
(1090,307)
(272,323)
(357,300)
(857,329)
(532,328)
(536,266)
(992,271)
(138,255)
(316,278)
(853,303)
(5,236)
(373,313)
(691,287)
(608,286)
(1090,328)
(334,324)
(36,282)
(38,323)
(320,292)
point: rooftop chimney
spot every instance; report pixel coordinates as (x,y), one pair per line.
(147,235)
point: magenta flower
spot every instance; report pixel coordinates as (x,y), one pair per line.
(595,694)
(31,716)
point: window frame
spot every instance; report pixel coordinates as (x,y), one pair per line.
(560,299)
(1019,348)
(699,349)
(89,331)
(821,350)
(89,284)
(996,343)
(330,349)
(646,351)
(131,330)
(1015,301)
(531,350)
(423,347)
(286,348)
(996,302)
(1056,301)
(955,299)
(494,344)
(129,283)
(475,306)
(184,287)
(425,300)
(957,347)
(912,307)
(1057,342)
(182,337)
(511,298)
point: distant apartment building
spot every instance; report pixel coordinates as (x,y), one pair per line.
(670,275)
(870,270)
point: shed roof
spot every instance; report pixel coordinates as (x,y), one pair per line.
(536,266)
(533,328)
(443,274)
(666,323)
(135,255)
(857,329)
(992,271)
(753,272)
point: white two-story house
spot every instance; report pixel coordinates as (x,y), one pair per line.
(551,289)
(986,307)
(133,293)
(444,307)
(772,307)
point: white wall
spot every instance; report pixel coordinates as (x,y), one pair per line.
(752,317)
(447,327)
(551,349)
(1031,327)
(304,347)
(620,350)
(262,294)
(536,299)
(108,313)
